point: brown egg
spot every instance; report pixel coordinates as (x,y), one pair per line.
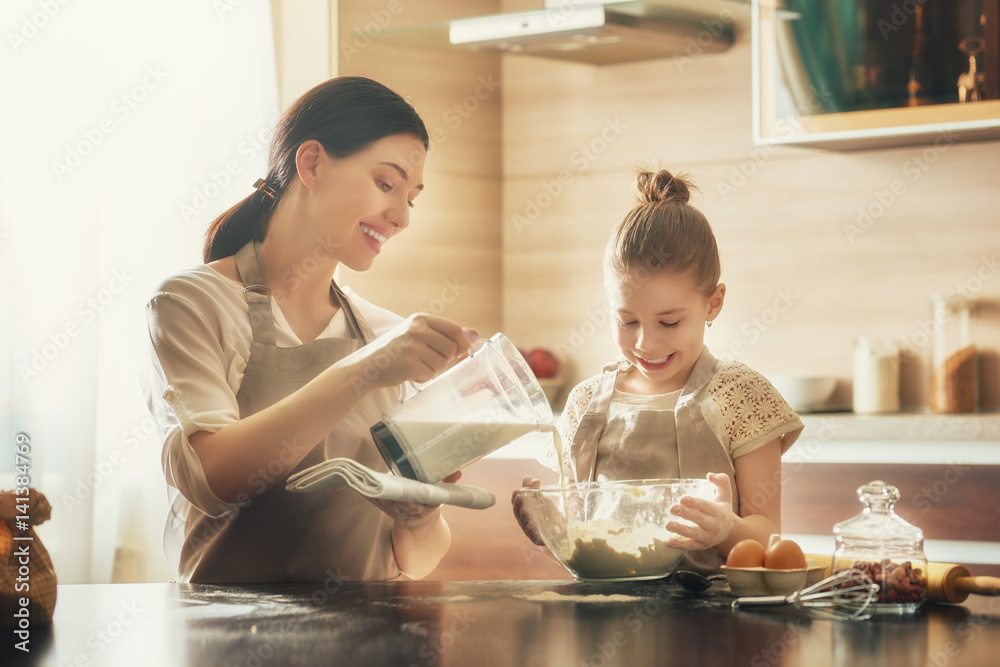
(746,553)
(784,555)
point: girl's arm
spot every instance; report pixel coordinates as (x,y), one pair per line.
(758,481)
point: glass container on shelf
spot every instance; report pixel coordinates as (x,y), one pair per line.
(886,547)
(876,377)
(953,357)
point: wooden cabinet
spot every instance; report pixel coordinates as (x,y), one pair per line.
(839,79)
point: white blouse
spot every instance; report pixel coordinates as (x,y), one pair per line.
(200,339)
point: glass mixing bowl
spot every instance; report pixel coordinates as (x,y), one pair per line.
(612,531)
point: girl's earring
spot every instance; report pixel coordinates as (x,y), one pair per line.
(709,323)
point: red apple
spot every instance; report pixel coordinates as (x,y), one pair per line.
(542,363)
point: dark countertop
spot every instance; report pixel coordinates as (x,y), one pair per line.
(484,623)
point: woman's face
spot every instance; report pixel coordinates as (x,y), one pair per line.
(364,199)
(658,323)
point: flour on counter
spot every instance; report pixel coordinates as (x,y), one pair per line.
(550,596)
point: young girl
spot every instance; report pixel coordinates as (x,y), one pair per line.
(666,408)
(262,366)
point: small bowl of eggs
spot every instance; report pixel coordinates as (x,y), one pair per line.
(779,569)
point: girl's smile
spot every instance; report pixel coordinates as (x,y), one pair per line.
(660,328)
(653,365)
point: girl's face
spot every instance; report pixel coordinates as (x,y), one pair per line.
(364,199)
(658,323)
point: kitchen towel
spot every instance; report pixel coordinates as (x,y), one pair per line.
(338,473)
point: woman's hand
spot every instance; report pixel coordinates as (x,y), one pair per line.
(413,515)
(415,350)
(420,535)
(713,519)
(521,514)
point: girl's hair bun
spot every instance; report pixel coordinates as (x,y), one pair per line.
(662,186)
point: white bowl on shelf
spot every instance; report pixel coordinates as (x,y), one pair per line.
(804,393)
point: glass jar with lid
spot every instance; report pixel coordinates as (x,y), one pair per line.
(884,546)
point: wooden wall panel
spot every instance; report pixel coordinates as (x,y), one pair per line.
(788,219)
(454,236)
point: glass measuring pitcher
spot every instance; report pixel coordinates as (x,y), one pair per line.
(475,407)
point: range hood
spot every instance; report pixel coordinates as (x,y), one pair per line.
(598,33)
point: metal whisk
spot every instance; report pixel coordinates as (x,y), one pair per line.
(848,595)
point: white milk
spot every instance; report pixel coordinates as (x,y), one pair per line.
(437,448)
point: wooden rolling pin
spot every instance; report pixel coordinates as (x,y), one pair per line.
(946,582)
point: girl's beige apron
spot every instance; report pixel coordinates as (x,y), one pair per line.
(283,536)
(646,449)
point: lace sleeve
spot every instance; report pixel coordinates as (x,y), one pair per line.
(753,412)
(569,421)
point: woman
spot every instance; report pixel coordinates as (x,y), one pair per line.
(262,365)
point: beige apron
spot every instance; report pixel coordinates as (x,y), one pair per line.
(646,450)
(283,536)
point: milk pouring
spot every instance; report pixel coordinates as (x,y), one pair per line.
(477,406)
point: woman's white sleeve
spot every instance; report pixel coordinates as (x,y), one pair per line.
(187,390)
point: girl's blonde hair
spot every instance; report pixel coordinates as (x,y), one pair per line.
(664,233)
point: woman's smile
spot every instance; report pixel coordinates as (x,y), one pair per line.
(375,236)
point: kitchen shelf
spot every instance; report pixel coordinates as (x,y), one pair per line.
(780,80)
(975,427)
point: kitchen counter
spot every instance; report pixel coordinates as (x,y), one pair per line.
(978,427)
(499,623)
(929,438)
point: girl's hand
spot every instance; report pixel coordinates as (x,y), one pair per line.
(416,350)
(713,520)
(521,514)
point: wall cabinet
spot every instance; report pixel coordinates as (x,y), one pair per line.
(875,74)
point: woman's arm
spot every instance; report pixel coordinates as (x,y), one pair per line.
(285,432)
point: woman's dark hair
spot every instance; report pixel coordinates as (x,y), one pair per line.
(345,114)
